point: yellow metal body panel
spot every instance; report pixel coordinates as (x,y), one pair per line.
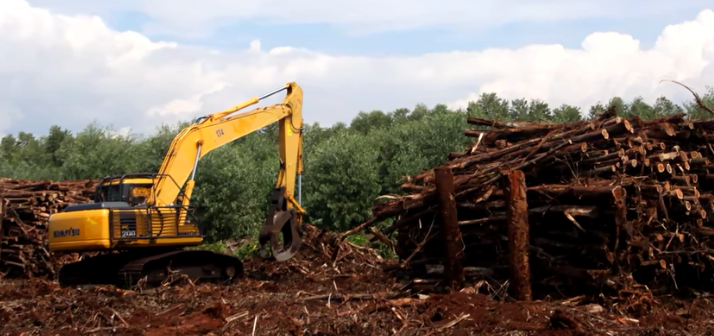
(79,231)
(89,230)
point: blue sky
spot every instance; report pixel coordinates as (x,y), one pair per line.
(134,64)
(327,38)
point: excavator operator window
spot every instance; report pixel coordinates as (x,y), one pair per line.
(138,193)
(110,193)
(134,194)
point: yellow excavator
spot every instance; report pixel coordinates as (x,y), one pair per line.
(144,221)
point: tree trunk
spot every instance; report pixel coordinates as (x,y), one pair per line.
(453,267)
(514,185)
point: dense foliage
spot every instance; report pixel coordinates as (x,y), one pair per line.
(346,166)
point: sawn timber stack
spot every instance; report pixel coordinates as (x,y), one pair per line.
(25,207)
(612,203)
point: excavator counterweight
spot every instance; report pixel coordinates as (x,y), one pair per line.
(143,223)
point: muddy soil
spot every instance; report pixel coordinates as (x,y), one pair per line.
(312,295)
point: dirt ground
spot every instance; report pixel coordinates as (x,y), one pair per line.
(309,295)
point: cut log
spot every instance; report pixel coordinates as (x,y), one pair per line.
(25,208)
(514,185)
(450,227)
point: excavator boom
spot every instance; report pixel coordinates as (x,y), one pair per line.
(220,128)
(147,217)
(215,130)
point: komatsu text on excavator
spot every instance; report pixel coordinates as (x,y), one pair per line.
(145,221)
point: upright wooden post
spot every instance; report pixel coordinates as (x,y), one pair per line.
(514,185)
(453,268)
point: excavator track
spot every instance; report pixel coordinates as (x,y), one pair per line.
(196,264)
(127,269)
(98,270)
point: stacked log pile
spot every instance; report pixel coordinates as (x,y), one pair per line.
(26,208)
(611,203)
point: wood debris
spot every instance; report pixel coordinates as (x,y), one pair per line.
(26,209)
(611,202)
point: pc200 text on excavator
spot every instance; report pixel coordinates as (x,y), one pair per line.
(146,218)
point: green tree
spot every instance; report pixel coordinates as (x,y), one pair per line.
(664,107)
(519,110)
(539,111)
(53,143)
(416,146)
(97,152)
(489,106)
(365,122)
(567,113)
(638,107)
(341,180)
(595,111)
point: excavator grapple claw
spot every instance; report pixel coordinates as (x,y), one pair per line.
(280,222)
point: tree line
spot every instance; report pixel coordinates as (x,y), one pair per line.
(346,165)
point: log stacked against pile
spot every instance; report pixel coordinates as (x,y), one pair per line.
(612,203)
(26,207)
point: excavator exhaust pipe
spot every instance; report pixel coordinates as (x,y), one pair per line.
(280,222)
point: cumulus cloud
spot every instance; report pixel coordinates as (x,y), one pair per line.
(365,16)
(73,69)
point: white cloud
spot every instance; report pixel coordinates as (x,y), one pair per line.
(72,70)
(189,17)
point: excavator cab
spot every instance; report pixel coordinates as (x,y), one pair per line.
(133,191)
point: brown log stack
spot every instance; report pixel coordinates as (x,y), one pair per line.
(611,203)
(25,207)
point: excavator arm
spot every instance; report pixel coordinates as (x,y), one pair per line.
(207,133)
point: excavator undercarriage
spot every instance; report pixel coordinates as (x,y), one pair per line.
(152,266)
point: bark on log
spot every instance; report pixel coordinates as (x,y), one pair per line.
(514,185)
(450,227)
